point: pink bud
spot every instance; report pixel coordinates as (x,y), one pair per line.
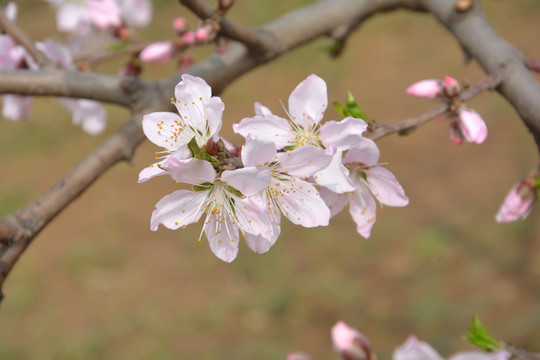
(157,52)
(472,125)
(349,343)
(188,38)
(428,89)
(180,25)
(519,201)
(201,35)
(297,355)
(455,134)
(451,86)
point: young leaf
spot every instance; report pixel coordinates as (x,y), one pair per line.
(353,109)
(340,109)
(479,336)
(198,153)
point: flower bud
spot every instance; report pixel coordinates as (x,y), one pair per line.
(201,35)
(349,343)
(224,5)
(428,89)
(519,201)
(472,125)
(297,355)
(104,13)
(451,87)
(180,26)
(188,38)
(157,52)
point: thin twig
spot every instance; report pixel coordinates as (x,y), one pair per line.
(21,38)
(109,55)
(228,28)
(488,83)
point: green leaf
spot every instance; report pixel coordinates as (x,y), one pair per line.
(200,154)
(340,109)
(479,336)
(537,183)
(117,46)
(353,109)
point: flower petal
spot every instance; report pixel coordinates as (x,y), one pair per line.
(366,152)
(384,185)
(414,349)
(308,101)
(222,235)
(343,134)
(214,115)
(156,127)
(192,87)
(181,208)
(149,172)
(191,171)
(252,216)
(16,107)
(157,52)
(248,180)
(304,161)
(335,202)
(261,110)
(300,202)
(336,176)
(273,127)
(363,208)
(258,151)
(261,244)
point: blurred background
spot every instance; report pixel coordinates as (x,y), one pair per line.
(98,284)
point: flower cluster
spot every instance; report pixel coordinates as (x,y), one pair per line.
(350,344)
(467,124)
(89,114)
(296,167)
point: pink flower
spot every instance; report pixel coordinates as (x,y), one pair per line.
(158,52)
(180,25)
(104,14)
(519,201)
(189,38)
(201,35)
(16,107)
(472,125)
(349,343)
(371,182)
(429,89)
(199,117)
(307,104)
(136,13)
(228,213)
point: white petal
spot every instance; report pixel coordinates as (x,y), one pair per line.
(192,87)
(300,202)
(413,349)
(252,216)
(366,152)
(385,187)
(180,208)
(214,115)
(273,127)
(248,180)
(222,235)
(70,17)
(191,171)
(160,126)
(258,151)
(260,244)
(363,208)
(16,107)
(304,161)
(149,172)
(137,12)
(336,176)
(261,109)
(11,11)
(308,101)
(342,134)
(335,202)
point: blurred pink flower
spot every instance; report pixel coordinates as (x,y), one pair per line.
(158,52)
(428,89)
(519,201)
(349,343)
(104,14)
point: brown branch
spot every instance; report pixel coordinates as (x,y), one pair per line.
(21,38)
(108,55)
(519,354)
(406,125)
(228,28)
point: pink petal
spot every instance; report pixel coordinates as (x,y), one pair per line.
(480,355)
(342,134)
(71,17)
(308,101)
(413,349)
(472,125)
(384,185)
(363,209)
(104,13)
(349,343)
(222,235)
(178,209)
(517,204)
(150,172)
(16,107)
(428,89)
(304,161)
(136,12)
(261,244)
(301,204)
(11,11)
(192,87)
(252,217)
(258,151)
(272,127)
(365,152)
(190,171)
(248,180)
(90,115)
(336,176)
(335,202)
(261,110)
(157,52)
(156,127)
(214,115)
